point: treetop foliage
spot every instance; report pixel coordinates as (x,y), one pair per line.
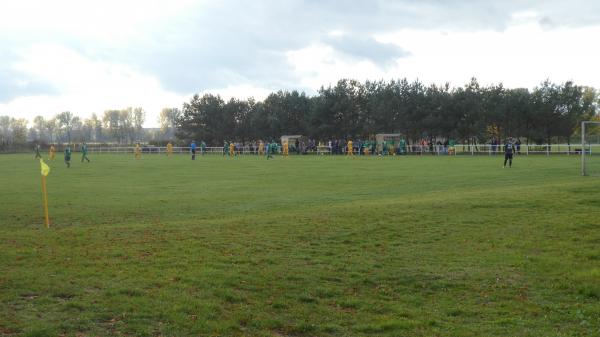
(351,109)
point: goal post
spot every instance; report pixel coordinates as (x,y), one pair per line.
(590,148)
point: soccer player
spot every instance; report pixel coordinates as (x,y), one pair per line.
(384,148)
(37,151)
(261,148)
(350,150)
(508,153)
(225,148)
(202,147)
(286,149)
(68,156)
(169,149)
(138,151)
(84,153)
(193,149)
(52,152)
(269,150)
(231,149)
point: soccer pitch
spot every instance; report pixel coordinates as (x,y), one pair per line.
(300,246)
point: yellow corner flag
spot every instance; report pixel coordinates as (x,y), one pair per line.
(45,168)
(45,171)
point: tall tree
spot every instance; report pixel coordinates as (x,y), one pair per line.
(19,130)
(471,125)
(547,117)
(571,109)
(95,125)
(168,121)
(238,111)
(139,117)
(65,122)
(87,129)
(39,124)
(51,126)
(203,119)
(111,120)
(126,124)
(77,126)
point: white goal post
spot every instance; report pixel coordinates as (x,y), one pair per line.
(590,148)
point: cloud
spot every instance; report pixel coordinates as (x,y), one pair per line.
(320,65)
(86,85)
(115,53)
(523,55)
(366,48)
(14,84)
(227,43)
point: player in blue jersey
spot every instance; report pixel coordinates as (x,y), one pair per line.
(509,149)
(193,149)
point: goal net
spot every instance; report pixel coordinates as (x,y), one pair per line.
(590,152)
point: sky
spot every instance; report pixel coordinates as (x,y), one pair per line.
(90,56)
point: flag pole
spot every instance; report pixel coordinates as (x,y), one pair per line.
(45,193)
(45,169)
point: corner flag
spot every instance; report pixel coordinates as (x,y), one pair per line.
(45,169)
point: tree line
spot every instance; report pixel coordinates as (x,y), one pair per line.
(123,126)
(351,109)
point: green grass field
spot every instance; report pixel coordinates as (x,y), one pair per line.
(303,246)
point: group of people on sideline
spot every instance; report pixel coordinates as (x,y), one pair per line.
(335,147)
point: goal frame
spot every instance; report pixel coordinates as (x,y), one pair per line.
(583,144)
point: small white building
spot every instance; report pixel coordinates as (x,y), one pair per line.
(291,139)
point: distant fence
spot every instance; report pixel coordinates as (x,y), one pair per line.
(246,150)
(477,149)
(416,149)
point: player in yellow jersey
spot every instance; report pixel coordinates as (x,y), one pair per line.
(52,152)
(261,148)
(231,149)
(350,148)
(169,149)
(286,149)
(138,151)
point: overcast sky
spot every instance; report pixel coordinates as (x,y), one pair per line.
(90,56)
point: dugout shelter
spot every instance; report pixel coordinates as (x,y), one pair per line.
(291,139)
